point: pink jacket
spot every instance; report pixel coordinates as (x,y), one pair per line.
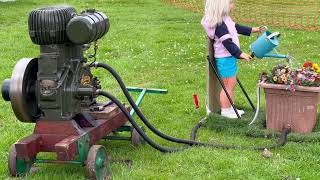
(219,50)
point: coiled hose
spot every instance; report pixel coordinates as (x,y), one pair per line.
(283,137)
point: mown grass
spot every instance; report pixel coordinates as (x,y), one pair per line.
(152,44)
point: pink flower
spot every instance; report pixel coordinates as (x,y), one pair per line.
(292,88)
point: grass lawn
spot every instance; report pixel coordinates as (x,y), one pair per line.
(152,44)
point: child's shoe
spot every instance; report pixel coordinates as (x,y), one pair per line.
(231,115)
(241,112)
(226,112)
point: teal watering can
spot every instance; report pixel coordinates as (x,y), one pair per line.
(265,44)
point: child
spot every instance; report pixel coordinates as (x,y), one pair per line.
(220,27)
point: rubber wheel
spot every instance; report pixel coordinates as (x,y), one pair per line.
(18,167)
(97,164)
(136,139)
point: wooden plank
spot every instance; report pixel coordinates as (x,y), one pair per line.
(106,126)
(58,127)
(107,113)
(62,137)
(67,148)
(28,146)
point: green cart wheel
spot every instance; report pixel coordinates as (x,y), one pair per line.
(97,164)
(136,139)
(18,167)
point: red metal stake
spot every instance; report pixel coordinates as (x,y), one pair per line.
(196,102)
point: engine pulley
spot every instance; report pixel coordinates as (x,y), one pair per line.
(21,90)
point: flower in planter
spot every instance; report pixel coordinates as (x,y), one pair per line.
(308,75)
(279,74)
(307,64)
(316,68)
(305,77)
(302,115)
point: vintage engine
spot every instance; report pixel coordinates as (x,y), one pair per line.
(57,92)
(58,84)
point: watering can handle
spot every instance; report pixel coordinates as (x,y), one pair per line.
(275,34)
(263,29)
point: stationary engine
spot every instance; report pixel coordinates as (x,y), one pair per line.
(57,85)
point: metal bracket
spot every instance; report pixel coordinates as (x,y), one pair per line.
(83,147)
(143,92)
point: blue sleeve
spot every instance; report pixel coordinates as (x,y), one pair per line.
(222,33)
(244,30)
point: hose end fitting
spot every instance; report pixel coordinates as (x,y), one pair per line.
(98,92)
(94,64)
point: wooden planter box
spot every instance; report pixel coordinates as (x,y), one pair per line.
(295,109)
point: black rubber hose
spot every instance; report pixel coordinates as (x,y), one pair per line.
(283,138)
(282,141)
(136,126)
(137,110)
(194,131)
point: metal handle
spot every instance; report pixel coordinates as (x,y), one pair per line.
(263,29)
(275,34)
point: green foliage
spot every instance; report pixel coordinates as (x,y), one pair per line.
(155,45)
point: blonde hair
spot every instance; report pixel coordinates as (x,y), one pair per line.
(216,10)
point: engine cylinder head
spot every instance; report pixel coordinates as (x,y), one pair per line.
(48,25)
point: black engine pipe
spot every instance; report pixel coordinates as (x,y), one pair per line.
(139,113)
(194,131)
(282,142)
(283,137)
(136,126)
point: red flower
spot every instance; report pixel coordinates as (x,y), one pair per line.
(299,82)
(307,64)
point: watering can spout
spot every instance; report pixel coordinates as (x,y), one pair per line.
(288,57)
(276,56)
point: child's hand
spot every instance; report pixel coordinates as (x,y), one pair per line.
(256,30)
(260,29)
(245,56)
